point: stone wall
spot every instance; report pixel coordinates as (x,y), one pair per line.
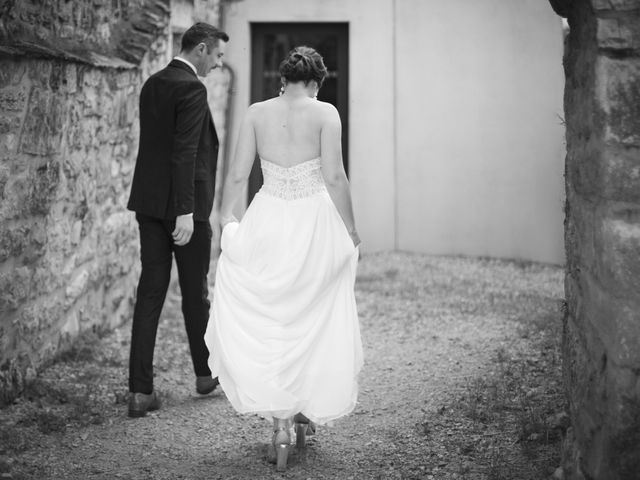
(602,238)
(70,75)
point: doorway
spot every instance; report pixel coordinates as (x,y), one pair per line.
(271,42)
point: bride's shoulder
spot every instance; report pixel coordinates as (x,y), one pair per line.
(256,107)
(261,107)
(325,105)
(327,111)
(257,110)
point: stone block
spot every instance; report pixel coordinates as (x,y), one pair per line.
(12,377)
(581,217)
(39,72)
(618,94)
(72,138)
(45,280)
(36,317)
(620,179)
(570,455)
(616,5)
(91,311)
(622,394)
(35,243)
(77,285)
(70,325)
(12,241)
(622,426)
(115,168)
(619,33)
(22,241)
(15,287)
(116,222)
(584,167)
(13,99)
(70,79)
(9,125)
(584,384)
(15,196)
(604,408)
(42,129)
(43,188)
(97,272)
(63,78)
(617,259)
(8,147)
(11,72)
(611,320)
(5,173)
(117,294)
(76,231)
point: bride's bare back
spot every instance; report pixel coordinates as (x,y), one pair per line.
(287,131)
(292,129)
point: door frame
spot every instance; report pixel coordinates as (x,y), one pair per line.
(257,32)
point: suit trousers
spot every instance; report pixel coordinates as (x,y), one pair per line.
(156,252)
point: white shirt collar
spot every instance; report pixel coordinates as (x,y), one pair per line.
(187,62)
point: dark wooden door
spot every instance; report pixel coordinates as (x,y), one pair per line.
(271,42)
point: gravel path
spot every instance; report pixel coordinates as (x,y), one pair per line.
(430,326)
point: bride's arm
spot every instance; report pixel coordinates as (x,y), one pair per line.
(333,169)
(239,169)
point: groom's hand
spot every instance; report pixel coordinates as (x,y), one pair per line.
(184,229)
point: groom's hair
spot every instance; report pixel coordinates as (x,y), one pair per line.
(202,33)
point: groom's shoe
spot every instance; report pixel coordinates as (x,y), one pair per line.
(206,384)
(141,403)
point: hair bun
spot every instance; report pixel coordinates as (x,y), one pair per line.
(303,64)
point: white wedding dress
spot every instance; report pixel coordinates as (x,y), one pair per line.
(283,333)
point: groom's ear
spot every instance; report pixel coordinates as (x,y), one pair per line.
(202,48)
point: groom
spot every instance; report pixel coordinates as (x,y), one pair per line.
(172,195)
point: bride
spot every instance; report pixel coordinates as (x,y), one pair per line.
(284,334)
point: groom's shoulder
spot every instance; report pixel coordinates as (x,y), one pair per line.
(172,73)
(155,77)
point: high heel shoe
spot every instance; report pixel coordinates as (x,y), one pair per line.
(281,443)
(304,427)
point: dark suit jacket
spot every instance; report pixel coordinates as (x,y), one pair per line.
(175,170)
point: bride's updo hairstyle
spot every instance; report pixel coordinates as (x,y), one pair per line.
(303,64)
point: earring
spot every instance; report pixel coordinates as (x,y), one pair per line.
(281,90)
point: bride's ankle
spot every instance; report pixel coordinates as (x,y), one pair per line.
(281,423)
(281,435)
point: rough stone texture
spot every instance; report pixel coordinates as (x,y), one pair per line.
(620,32)
(602,285)
(605,6)
(98,32)
(69,90)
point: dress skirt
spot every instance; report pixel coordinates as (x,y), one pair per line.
(284,335)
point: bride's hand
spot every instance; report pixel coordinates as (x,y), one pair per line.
(227,220)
